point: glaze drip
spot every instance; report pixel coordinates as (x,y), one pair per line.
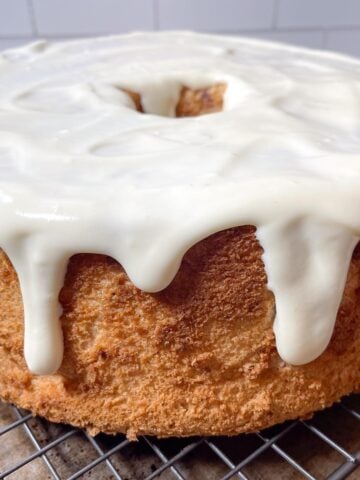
(83,171)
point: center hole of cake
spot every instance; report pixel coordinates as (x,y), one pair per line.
(191,102)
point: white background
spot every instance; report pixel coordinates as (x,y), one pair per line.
(331,24)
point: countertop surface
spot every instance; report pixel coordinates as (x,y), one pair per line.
(199,458)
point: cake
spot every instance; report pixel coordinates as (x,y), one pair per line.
(180,228)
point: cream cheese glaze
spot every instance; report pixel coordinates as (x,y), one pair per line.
(82,171)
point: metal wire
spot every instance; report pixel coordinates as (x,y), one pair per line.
(173,457)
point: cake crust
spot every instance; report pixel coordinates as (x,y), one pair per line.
(197,358)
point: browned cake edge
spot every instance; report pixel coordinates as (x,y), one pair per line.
(198,358)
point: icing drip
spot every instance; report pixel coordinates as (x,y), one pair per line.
(39,280)
(82,171)
(315,267)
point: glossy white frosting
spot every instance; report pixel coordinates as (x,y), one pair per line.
(82,171)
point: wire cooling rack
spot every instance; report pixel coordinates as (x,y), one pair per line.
(325,447)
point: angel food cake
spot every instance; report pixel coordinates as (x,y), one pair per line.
(180,218)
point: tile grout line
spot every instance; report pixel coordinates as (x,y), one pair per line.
(323,31)
(32,16)
(275,15)
(230,31)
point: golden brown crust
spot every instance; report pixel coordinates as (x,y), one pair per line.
(192,102)
(196,358)
(200,101)
(136,98)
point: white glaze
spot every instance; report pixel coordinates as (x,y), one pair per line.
(82,171)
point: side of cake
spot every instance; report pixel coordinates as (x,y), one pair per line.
(197,358)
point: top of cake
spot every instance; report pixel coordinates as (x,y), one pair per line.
(82,170)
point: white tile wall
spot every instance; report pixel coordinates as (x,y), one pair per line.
(11,42)
(88,17)
(15,18)
(318,13)
(333,24)
(346,41)
(215,15)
